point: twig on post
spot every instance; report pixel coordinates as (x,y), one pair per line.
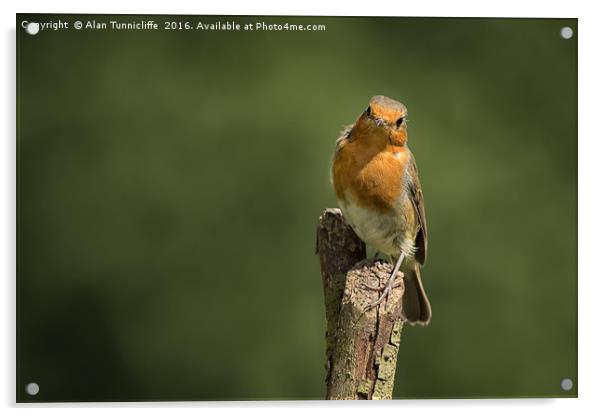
(361,346)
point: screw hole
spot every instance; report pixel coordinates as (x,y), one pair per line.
(32,28)
(566,32)
(32,389)
(566,384)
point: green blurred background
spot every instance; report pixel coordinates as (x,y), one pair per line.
(169,185)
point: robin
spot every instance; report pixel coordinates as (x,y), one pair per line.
(377,187)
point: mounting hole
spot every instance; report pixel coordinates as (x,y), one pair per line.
(566,32)
(32,389)
(32,28)
(566,384)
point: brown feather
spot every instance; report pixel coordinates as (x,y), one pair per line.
(418,202)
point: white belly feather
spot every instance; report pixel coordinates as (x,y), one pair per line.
(385,232)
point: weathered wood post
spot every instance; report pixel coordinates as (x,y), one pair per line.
(361,346)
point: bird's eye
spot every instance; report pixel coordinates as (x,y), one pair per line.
(368,111)
(399,121)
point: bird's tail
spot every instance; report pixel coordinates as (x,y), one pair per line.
(416,307)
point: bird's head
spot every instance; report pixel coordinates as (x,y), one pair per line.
(384,119)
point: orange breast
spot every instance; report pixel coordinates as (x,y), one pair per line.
(371,175)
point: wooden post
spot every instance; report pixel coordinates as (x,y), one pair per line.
(361,346)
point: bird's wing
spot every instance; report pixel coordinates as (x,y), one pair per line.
(418,202)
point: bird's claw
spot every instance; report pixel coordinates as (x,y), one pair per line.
(386,290)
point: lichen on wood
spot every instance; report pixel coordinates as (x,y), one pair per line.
(361,345)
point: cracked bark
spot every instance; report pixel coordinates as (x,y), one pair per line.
(361,347)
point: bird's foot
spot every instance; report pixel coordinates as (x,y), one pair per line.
(381,288)
(386,289)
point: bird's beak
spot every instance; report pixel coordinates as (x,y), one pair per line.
(379,122)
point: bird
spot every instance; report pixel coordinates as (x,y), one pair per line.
(376,183)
